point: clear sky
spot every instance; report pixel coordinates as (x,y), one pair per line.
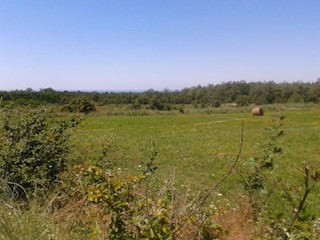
(158,44)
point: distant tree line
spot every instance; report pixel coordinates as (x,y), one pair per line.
(239,92)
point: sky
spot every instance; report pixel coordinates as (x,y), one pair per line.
(135,45)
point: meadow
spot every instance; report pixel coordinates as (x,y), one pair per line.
(199,147)
(200,188)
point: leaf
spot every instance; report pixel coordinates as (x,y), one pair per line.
(151,233)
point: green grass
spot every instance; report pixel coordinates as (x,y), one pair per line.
(31,224)
(199,148)
(195,149)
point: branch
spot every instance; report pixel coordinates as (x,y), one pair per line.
(307,190)
(228,173)
(215,186)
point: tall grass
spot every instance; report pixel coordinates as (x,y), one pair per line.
(17,224)
(27,220)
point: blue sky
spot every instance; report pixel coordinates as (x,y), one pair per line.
(158,44)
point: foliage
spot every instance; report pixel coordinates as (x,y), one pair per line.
(292,220)
(121,203)
(239,92)
(79,105)
(33,150)
(156,104)
(258,165)
(127,210)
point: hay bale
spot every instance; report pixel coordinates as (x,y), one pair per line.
(257,111)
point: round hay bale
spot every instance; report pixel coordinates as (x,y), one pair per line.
(257,111)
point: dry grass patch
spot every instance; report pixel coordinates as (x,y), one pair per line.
(238,222)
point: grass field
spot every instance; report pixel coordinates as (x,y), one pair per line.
(196,149)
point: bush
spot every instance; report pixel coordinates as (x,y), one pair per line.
(33,150)
(156,104)
(79,105)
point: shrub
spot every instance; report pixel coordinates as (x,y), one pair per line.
(291,219)
(33,150)
(79,105)
(156,104)
(114,205)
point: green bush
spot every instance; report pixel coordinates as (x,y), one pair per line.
(79,105)
(33,150)
(117,205)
